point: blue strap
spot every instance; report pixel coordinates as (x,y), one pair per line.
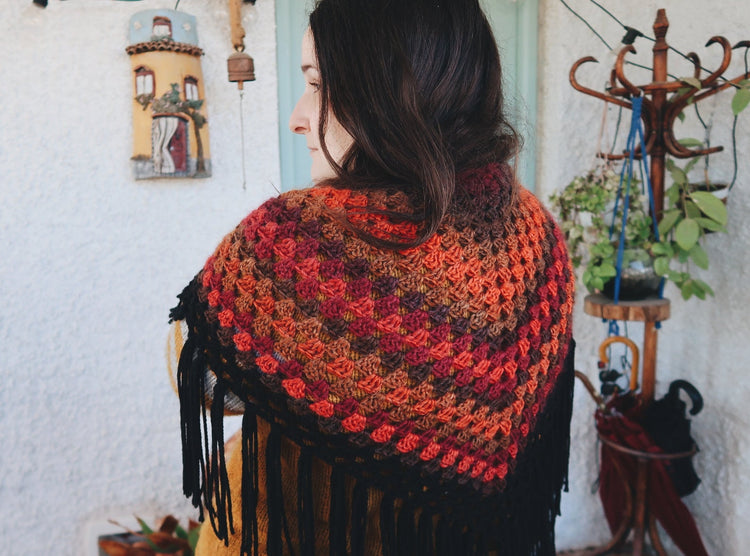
(646,178)
(636,133)
(627,169)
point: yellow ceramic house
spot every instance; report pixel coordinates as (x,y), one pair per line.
(170,135)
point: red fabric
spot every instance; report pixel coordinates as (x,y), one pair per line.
(662,499)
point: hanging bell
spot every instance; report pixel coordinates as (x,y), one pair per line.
(241,68)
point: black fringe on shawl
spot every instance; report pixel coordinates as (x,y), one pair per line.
(437,520)
(250,482)
(305,512)
(360,503)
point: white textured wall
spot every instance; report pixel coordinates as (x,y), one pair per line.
(704,342)
(92,260)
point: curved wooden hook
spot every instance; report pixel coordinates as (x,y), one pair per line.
(727,58)
(633,349)
(693,57)
(674,147)
(671,144)
(580,88)
(680,100)
(632,89)
(601,404)
(728,82)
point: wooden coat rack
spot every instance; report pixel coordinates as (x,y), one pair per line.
(660,111)
(663,101)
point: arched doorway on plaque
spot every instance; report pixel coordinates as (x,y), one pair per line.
(169,144)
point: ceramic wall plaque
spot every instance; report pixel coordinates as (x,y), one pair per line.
(170,130)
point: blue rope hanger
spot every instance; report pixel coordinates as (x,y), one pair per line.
(635,134)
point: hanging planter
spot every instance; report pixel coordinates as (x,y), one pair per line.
(638,279)
(590,210)
(606,220)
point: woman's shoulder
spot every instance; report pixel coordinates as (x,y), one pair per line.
(305,226)
(289,215)
(305,205)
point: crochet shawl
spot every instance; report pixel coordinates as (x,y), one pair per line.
(440,375)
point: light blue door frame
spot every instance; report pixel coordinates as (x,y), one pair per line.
(291,22)
(515,26)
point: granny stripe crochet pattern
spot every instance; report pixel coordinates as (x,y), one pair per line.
(440,374)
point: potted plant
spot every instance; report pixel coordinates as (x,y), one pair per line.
(590,214)
(586,208)
(691,213)
(167,538)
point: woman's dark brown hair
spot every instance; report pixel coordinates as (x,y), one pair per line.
(417,84)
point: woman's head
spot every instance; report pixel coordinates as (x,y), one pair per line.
(416,85)
(324,146)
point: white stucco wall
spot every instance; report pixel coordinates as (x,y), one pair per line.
(92,261)
(703,342)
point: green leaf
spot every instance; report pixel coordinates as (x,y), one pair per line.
(692,81)
(710,206)
(144,527)
(693,161)
(668,220)
(193,537)
(676,277)
(673,193)
(602,249)
(711,225)
(692,209)
(597,283)
(662,248)
(687,290)
(678,175)
(690,142)
(705,287)
(740,100)
(698,291)
(699,256)
(682,255)
(180,532)
(661,265)
(605,270)
(686,234)
(681,116)
(587,277)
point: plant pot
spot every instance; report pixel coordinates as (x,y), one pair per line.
(638,281)
(720,190)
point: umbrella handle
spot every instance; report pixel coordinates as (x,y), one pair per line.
(633,348)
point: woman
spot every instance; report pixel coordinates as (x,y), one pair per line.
(399,334)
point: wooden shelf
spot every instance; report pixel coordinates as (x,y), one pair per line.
(651,309)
